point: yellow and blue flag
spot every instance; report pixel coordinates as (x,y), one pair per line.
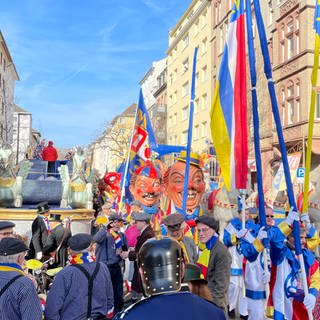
(229,106)
(317,17)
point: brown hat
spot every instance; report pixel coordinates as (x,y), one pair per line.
(173,221)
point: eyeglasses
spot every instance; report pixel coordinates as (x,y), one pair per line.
(204,230)
(7,234)
(270,216)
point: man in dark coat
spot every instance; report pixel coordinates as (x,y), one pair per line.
(40,229)
(57,242)
(142,222)
(214,261)
(161,268)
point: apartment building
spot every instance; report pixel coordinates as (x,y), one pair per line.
(192,30)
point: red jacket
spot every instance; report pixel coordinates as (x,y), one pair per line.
(49,153)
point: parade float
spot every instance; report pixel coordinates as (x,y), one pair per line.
(67,192)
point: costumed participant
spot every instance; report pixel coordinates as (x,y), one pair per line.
(146,187)
(214,260)
(231,236)
(256,278)
(40,229)
(18,295)
(161,269)
(50,154)
(6,229)
(173,190)
(57,242)
(110,245)
(111,192)
(82,290)
(175,225)
(142,222)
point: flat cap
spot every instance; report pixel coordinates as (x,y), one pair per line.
(6,224)
(193,273)
(11,246)
(208,221)
(80,241)
(140,216)
(115,217)
(173,221)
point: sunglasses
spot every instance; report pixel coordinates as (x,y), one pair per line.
(270,216)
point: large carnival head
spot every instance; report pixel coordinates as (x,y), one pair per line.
(161,266)
(146,185)
(174,182)
(112,181)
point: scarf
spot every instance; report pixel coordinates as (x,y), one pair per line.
(150,210)
(81,258)
(46,222)
(117,238)
(11,267)
(204,258)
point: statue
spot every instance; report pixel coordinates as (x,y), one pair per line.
(10,183)
(77,192)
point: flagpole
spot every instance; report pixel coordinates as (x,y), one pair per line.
(314,77)
(275,110)
(186,173)
(124,178)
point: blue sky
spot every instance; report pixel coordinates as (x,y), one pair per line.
(80,62)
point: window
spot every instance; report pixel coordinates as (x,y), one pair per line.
(185,41)
(203,129)
(185,65)
(184,137)
(174,98)
(270,12)
(170,78)
(175,73)
(121,120)
(204,19)
(174,119)
(204,74)
(196,27)
(170,102)
(317,115)
(290,111)
(290,42)
(197,80)
(196,132)
(185,89)
(204,103)
(196,105)
(185,113)
(204,46)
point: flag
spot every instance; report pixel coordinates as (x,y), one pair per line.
(229,106)
(142,144)
(317,17)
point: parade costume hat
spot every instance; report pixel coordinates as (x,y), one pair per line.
(43,207)
(173,221)
(11,246)
(56,217)
(80,241)
(193,273)
(149,170)
(140,216)
(50,143)
(6,224)
(160,261)
(194,158)
(208,221)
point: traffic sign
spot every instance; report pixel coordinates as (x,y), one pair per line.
(300,172)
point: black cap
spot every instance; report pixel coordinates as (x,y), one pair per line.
(11,246)
(208,221)
(43,207)
(6,224)
(173,221)
(80,241)
(56,217)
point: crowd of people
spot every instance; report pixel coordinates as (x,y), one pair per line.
(222,278)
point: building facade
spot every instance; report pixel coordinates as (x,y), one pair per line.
(192,30)
(22,133)
(8,76)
